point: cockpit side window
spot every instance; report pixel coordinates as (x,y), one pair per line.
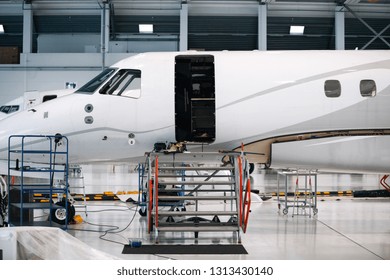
(126,82)
(96,82)
(48,97)
(9,109)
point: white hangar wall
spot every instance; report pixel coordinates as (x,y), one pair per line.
(81,43)
(51,71)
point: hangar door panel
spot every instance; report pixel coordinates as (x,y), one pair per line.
(195,98)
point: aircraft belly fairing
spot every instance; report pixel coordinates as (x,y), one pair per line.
(354,154)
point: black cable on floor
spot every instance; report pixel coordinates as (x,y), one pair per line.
(109,231)
(106,231)
(112,231)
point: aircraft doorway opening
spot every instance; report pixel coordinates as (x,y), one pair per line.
(195,98)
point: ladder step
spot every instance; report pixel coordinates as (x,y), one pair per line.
(178,190)
(160,197)
(196,228)
(193,176)
(196,183)
(188,168)
(195,213)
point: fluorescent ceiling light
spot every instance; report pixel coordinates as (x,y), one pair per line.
(145,28)
(1,29)
(297,30)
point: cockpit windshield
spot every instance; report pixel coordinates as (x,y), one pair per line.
(126,82)
(96,82)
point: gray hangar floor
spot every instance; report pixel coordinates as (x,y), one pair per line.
(345,228)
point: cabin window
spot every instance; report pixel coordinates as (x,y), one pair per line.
(96,82)
(332,88)
(367,88)
(124,83)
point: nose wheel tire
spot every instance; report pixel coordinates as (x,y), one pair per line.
(142,212)
(61,214)
(251,168)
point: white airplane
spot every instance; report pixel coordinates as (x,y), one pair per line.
(29,100)
(327,110)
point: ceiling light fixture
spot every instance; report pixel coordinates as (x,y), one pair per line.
(145,28)
(297,29)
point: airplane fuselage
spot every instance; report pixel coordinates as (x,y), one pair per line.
(278,104)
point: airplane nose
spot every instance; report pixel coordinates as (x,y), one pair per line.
(19,124)
(40,120)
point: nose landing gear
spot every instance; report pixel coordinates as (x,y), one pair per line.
(63,212)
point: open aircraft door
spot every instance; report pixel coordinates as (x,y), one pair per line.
(195,98)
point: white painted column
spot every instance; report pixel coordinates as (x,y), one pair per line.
(339,28)
(105,33)
(105,29)
(183,40)
(262,27)
(27,28)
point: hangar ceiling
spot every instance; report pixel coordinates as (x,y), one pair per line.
(212,25)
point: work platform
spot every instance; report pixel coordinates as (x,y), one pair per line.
(177,189)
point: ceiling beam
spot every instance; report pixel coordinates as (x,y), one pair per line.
(196,7)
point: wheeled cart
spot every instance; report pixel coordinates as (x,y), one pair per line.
(303,199)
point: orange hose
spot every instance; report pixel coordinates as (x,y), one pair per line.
(240,191)
(150,205)
(383,182)
(247,205)
(156,190)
